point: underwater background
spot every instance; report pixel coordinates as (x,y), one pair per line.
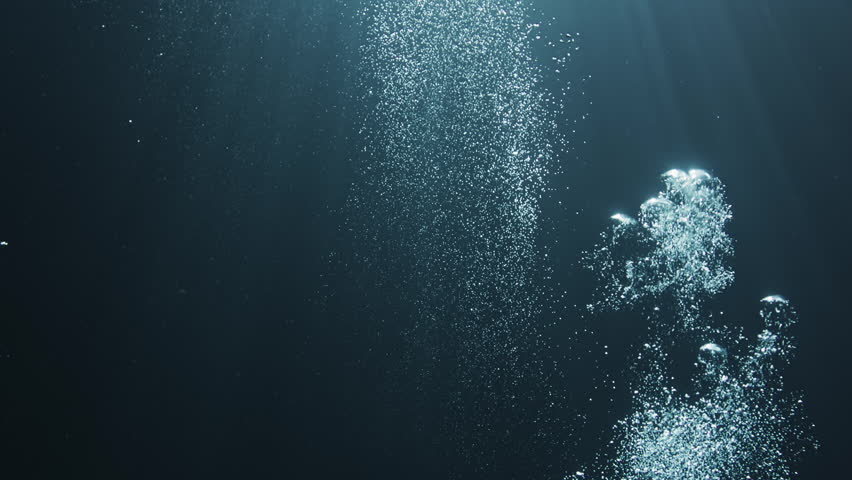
(317,239)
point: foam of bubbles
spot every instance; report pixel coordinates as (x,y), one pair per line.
(678,247)
(455,156)
(738,422)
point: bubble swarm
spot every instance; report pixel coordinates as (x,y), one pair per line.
(738,422)
(678,248)
(456,147)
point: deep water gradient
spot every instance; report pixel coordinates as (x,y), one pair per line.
(344,239)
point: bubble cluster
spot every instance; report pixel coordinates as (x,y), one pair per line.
(455,155)
(455,159)
(678,247)
(737,422)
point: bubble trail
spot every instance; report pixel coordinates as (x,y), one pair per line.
(738,422)
(456,154)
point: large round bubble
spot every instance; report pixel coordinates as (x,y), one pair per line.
(712,355)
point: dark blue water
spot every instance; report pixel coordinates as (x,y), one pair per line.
(201,279)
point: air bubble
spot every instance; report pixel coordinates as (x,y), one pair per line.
(712,355)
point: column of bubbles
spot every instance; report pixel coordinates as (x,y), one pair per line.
(456,147)
(736,421)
